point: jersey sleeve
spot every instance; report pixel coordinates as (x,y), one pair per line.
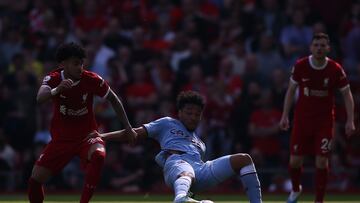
(295,76)
(51,80)
(154,128)
(99,86)
(341,79)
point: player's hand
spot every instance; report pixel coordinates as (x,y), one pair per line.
(284,123)
(65,84)
(93,134)
(131,135)
(349,128)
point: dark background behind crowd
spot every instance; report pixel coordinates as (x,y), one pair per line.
(238,53)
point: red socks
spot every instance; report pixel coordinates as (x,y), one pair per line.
(92,176)
(35,191)
(93,172)
(321,177)
(295,174)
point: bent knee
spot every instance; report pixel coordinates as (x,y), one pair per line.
(40,174)
(240,160)
(321,162)
(98,156)
(96,148)
(296,161)
(186,173)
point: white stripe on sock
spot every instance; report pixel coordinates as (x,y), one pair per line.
(247,169)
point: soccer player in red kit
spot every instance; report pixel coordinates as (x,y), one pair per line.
(72,90)
(317,77)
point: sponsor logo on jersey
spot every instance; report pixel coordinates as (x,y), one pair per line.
(319,93)
(176,132)
(71,112)
(315,93)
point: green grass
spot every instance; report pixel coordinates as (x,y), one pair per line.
(146,198)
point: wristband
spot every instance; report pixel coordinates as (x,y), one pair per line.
(54,91)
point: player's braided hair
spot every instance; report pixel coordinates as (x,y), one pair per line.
(189,97)
(69,50)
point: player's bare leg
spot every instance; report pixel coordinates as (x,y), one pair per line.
(39,176)
(321,176)
(243,164)
(295,171)
(96,158)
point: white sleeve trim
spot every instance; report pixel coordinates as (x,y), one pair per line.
(46,86)
(293,81)
(107,92)
(344,88)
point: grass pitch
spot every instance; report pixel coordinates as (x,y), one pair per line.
(148,198)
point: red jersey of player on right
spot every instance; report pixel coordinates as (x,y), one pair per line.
(317,87)
(316,78)
(314,111)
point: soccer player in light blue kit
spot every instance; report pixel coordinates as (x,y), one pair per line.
(182,150)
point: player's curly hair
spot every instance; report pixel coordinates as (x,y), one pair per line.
(69,50)
(189,97)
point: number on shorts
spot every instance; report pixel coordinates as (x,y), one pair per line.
(325,144)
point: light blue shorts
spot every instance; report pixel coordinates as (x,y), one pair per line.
(207,175)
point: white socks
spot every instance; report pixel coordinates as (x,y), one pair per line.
(251,183)
(182,186)
(247,169)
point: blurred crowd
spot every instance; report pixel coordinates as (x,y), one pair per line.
(238,53)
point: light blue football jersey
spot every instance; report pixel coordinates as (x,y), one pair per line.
(172,135)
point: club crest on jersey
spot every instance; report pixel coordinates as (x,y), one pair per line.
(84,97)
(306,91)
(296,148)
(326,82)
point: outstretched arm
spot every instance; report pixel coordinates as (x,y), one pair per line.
(121,136)
(289,98)
(120,111)
(349,106)
(119,108)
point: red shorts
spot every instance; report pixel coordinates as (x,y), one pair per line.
(311,137)
(57,154)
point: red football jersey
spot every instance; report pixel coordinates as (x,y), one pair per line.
(73,116)
(317,87)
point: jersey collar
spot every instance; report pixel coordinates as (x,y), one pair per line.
(317,67)
(63,78)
